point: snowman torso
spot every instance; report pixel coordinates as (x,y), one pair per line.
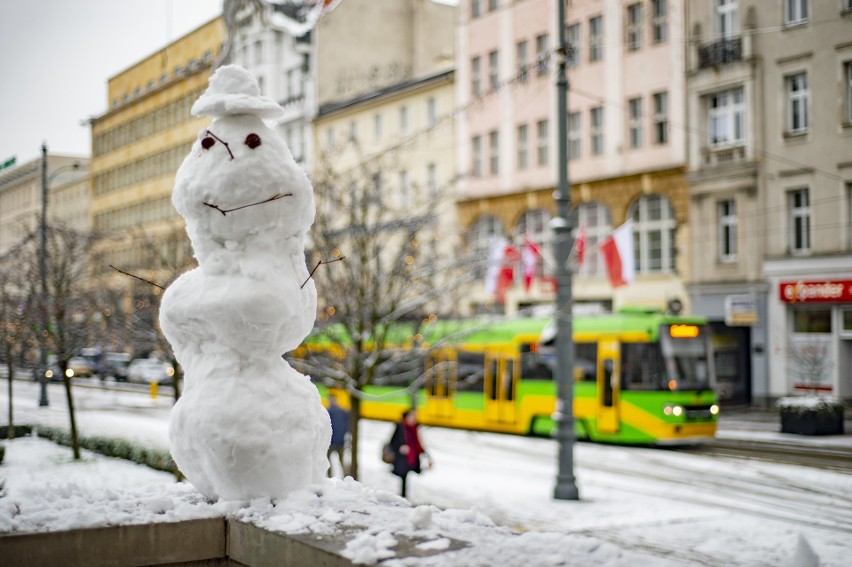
(248,425)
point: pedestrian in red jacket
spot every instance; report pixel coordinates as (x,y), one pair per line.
(407,448)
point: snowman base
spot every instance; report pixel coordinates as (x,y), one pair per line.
(256,436)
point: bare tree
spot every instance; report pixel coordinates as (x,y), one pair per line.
(399,273)
(810,361)
(16,338)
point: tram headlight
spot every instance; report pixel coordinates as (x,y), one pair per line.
(672,409)
(69,373)
(714,410)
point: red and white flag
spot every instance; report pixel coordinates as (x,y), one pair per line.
(502,259)
(617,250)
(580,245)
(529,258)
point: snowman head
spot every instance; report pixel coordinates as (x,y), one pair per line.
(240,181)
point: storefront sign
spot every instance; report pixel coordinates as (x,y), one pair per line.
(832,291)
(740,310)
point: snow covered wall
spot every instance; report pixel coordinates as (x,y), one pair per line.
(247,425)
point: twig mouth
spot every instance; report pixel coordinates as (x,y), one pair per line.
(226,211)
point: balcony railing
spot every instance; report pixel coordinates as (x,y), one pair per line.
(721,52)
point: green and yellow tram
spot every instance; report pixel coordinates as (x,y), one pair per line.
(640,376)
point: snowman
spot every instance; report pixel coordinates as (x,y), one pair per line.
(247,425)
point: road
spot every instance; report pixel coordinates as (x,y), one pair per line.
(694,508)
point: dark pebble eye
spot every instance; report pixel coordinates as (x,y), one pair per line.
(252,141)
(207,142)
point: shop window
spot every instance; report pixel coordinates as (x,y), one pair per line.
(846,322)
(812,321)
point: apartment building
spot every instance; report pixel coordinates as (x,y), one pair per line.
(21,197)
(137,147)
(770,113)
(626,143)
(283,64)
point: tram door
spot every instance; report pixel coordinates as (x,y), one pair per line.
(609,379)
(441,374)
(502,372)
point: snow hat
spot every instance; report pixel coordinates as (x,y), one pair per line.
(233,91)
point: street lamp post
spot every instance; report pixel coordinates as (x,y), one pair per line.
(566,488)
(42,265)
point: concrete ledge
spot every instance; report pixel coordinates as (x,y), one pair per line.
(193,543)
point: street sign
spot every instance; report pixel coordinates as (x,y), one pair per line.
(8,163)
(740,310)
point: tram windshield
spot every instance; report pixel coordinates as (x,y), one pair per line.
(686,353)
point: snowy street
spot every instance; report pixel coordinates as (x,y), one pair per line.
(683,508)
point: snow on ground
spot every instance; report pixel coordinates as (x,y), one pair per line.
(637,507)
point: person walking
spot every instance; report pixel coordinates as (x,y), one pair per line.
(407,448)
(339,431)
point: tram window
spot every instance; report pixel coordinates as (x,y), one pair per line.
(469,371)
(608,369)
(585,361)
(493,378)
(507,379)
(642,367)
(535,364)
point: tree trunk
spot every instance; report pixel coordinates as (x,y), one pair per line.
(75,442)
(175,378)
(354,420)
(10,431)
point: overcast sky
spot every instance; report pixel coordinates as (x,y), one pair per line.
(58,54)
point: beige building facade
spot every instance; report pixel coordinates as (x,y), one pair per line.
(769,109)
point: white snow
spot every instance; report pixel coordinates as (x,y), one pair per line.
(487,501)
(248,425)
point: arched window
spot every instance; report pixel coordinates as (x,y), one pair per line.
(478,237)
(533,225)
(653,234)
(595,220)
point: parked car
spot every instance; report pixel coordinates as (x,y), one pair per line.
(148,370)
(81,367)
(114,365)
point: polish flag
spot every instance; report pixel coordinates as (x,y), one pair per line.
(496,251)
(529,258)
(617,250)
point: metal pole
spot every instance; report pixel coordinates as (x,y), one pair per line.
(566,488)
(42,265)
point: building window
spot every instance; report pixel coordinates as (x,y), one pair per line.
(800,221)
(596,119)
(634,27)
(329,139)
(541,54)
(492,5)
(659,20)
(523,142)
(377,127)
(797,103)
(727,118)
(847,90)
(353,132)
(596,38)
(403,119)
(726,18)
(849,215)
(479,237)
(494,152)
(431,111)
(476,155)
(494,70)
(795,12)
(533,225)
(475,8)
(653,234)
(476,76)
(661,118)
(543,148)
(572,35)
(574,135)
(522,55)
(593,220)
(634,122)
(258,52)
(727,231)
(432,180)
